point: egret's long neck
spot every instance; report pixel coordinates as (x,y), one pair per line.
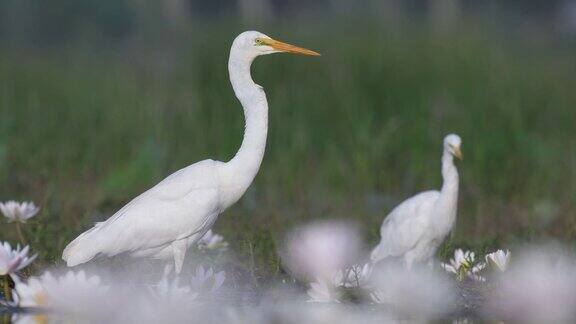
(449,173)
(449,193)
(241,170)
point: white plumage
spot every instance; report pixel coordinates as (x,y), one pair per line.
(414,230)
(164,221)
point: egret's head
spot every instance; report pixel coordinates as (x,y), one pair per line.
(452,144)
(255,44)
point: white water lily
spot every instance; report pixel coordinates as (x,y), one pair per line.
(328,291)
(207,279)
(473,273)
(212,241)
(499,260)
(11,260)
(72,292)
(462,265)
(168,301)
(323,291)
(31,293)
(18,211)
(353,277)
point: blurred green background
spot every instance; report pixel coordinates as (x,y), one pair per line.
(99,100)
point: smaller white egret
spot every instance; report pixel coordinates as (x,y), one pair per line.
(414,230)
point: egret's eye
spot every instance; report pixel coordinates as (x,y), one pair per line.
(259,41)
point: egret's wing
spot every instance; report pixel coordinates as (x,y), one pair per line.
(405,225)
(200,175)
(176,208)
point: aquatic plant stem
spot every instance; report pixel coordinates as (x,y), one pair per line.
(20,235)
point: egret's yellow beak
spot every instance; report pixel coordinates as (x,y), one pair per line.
(458,153)
(284,47)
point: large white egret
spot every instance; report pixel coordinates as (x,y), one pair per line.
(164,221)
(414,230)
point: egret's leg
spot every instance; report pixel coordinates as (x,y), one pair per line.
(168,267)
(409,263)
(409,259)
(179,250)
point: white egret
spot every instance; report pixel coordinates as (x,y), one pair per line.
(164,221)
(414,230)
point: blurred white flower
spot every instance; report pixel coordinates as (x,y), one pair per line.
(320,250)
(419,293)
(212,241)
(207,279)
(498,260)
(167,301)
(323,291)
(18,212)
(13,260)
(170,290)
(73,292)
(462,265)
(31,293)
(354,276)
(327,290)
(539,287)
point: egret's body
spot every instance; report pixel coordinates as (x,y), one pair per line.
(164,221)
(414,230)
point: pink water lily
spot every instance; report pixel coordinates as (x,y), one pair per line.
(321,249)
(11,260)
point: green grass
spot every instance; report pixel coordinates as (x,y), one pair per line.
(352,133)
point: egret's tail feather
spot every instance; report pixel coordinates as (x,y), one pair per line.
(81,250)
